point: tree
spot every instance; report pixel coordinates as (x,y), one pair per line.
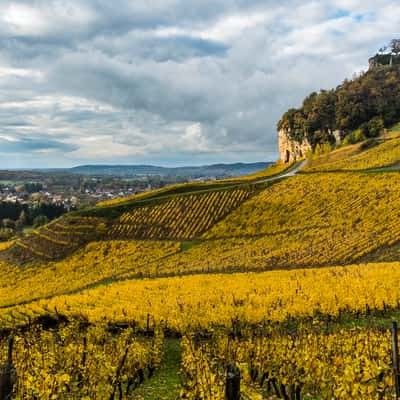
(370,103)
(22,217)
(383,50)
(40,220)
(21,220)
(375,127)
(395,47)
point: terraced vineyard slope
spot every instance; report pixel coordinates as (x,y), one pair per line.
(373,154)
(307,220)
(272,171)
(183,217)
(97,263)
(56,240)
(181,212)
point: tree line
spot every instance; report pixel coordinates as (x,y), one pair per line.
(14,216)
(357,109)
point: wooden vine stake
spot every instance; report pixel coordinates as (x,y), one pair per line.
(395,352)
(7,374)
(232,389)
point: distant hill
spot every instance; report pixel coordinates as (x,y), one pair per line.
(17,175)
(216,170)
(177,212)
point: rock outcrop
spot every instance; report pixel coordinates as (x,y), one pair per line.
(291,150)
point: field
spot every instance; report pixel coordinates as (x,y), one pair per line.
(252,306)
(183,217)
(56,240)
(272,171)
(374,154)
(155,296)
(82,362)
(207,301)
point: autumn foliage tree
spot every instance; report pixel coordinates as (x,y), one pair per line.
(369,102)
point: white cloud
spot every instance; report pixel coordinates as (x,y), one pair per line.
(19,73)
(225,29)
(8,138)
(194,140)
(183,80)
(21,19)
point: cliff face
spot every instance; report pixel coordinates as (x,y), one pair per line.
(291,150)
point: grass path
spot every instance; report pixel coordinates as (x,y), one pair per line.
(165,384)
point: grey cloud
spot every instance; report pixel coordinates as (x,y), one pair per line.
(33,145)
(183,77)
(175,48)
(154,87)
(12,124)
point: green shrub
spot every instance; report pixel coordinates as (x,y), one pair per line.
(359,136)
(355,137)
(40,220)
(375,127)
(322,148)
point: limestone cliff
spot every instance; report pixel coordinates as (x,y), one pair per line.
(292,150)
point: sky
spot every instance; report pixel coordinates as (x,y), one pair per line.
(171,82)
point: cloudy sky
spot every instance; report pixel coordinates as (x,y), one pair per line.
(170,82)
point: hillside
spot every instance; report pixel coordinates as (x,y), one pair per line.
(144,273)
(256,223)
(302,250)
(373,154)
(226,170)
(180,212)
(357,109)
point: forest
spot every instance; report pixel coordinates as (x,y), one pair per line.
(357,109)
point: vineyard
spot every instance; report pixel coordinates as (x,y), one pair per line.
(56,240)
(302,221)
(208,301)
(274,281)
(304,363)
(97,262)
(282,330)
(81,361)
(380,155)
(272,171)
(177,217)
(183,217)
(308,220)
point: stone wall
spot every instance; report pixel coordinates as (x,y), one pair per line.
(291,150)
